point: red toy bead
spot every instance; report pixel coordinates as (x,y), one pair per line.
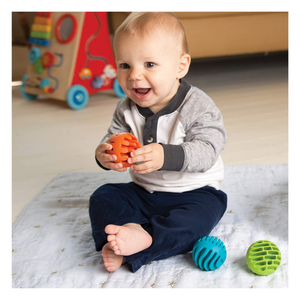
(47,59)
(123,145)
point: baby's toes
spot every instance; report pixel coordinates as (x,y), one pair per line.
(111,237)
(116,247)
(113,243)
(107,266)
(117,252)
(108,259)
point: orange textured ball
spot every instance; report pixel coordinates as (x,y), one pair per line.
(122,146)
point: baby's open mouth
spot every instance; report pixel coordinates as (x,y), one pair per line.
(142,91)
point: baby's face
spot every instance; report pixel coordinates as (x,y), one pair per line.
(148,68)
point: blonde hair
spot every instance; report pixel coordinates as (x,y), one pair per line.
(142,23)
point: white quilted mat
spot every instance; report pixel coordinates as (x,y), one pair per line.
(53,245)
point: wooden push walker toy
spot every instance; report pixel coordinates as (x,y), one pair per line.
(71,57)
(123,145)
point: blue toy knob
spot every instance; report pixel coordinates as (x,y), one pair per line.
(209,253)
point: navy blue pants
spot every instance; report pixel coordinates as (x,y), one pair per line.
(174,220)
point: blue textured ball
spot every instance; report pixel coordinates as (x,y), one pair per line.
(209,253)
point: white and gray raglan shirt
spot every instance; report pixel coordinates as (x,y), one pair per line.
(190,129)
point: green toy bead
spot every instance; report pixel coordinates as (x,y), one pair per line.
(37,65)
(263,258)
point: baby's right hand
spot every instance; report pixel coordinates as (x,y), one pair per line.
(107,160)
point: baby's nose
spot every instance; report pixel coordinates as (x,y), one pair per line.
(135,74)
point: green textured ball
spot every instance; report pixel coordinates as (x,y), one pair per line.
(263,258)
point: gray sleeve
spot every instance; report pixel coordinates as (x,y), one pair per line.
(205,132)
(174,157)
(118,124)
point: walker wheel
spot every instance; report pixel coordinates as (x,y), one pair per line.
(25,95)
(77,97)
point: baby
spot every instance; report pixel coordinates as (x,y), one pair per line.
(174,197)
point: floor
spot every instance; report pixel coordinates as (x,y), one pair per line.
(50,138)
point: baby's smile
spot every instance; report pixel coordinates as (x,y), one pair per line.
(141,93)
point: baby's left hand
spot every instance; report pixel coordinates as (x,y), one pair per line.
(151,155)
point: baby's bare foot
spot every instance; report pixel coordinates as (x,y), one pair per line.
(112,262)
(128,239)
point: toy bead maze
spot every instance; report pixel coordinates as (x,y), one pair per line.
(71,57)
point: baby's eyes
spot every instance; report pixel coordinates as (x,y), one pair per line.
(124,66)
(146,65)
(149,64)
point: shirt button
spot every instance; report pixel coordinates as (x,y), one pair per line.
(150,139)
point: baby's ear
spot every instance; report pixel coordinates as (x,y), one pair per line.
(183,66)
